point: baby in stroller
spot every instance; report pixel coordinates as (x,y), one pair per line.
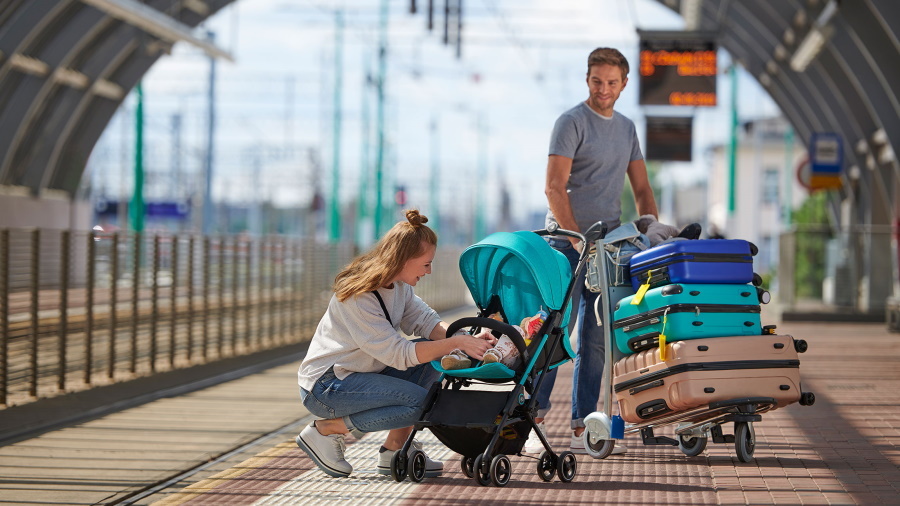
(504,351)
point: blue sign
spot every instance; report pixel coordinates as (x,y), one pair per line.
(178,210)
(826,154)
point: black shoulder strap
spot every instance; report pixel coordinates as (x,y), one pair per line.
(383,307)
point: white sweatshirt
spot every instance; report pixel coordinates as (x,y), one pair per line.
(355,336)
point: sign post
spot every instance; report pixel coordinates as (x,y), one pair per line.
(826,160)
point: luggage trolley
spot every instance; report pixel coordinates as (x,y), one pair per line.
(693,427)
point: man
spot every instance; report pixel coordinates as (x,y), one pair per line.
(592,149)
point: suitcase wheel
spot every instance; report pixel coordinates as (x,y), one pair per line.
(807,399)
(800,345)
(757,280)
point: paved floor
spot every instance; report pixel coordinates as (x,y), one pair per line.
(842,450)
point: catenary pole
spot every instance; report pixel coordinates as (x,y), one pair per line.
(334,215)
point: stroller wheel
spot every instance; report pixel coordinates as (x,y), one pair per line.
(566,466)
(501,470)
(468,466)
(546,466)
(399,466)
(417,466)
(482,471)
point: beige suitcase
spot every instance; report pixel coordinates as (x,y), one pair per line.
(702,371)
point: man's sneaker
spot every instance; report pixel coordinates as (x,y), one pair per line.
(326,451)
(534,445)
(433,468)
(577,447)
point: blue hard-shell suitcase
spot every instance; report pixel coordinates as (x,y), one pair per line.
(717,261)
(683,311)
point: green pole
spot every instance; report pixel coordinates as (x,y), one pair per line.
(379,159)
(136,209)
(435,176)
(788,175)
(363,201)
(334,214)
(732,150)
(481,177)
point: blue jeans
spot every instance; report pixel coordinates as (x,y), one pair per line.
(372,401)
(590,354)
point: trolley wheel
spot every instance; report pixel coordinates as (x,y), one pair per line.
(399,466)
(566,466)
(546,466)
(482,471)
(600,449)
(744,440)
(468,466)
(692,446)
(501,470)
(417,466)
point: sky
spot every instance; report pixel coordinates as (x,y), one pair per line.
(482,120)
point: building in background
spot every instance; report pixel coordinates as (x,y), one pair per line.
(766,187)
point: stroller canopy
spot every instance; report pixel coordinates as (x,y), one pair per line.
(522,270)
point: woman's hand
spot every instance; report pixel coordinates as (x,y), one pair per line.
(474,346)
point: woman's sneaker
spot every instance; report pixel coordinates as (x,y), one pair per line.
(433,468)
(534,445)
(326,451)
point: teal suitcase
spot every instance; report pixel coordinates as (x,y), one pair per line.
(686,311)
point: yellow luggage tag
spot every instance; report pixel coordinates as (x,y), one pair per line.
(662,337)
(639,296)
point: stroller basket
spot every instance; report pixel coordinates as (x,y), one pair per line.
(465,422)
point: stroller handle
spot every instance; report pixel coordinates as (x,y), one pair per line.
(490,323)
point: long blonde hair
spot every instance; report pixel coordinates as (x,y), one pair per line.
(380,265)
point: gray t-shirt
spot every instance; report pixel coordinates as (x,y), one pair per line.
(354,336)
(601,149)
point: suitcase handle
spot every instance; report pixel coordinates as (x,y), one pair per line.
(645,323)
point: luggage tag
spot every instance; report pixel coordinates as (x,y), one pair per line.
(639,295)
(662,337)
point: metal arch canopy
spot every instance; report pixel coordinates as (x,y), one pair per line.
(850,86)
(66,67)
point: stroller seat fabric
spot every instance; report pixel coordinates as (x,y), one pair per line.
(523,273)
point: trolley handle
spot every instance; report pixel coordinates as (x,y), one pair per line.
(595,232)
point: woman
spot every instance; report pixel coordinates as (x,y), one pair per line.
(360,374)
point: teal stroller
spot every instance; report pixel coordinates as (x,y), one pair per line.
(486,412)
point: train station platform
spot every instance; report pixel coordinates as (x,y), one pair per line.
(233,443)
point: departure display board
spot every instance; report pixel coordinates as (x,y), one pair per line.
(677,68)
(669,138)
